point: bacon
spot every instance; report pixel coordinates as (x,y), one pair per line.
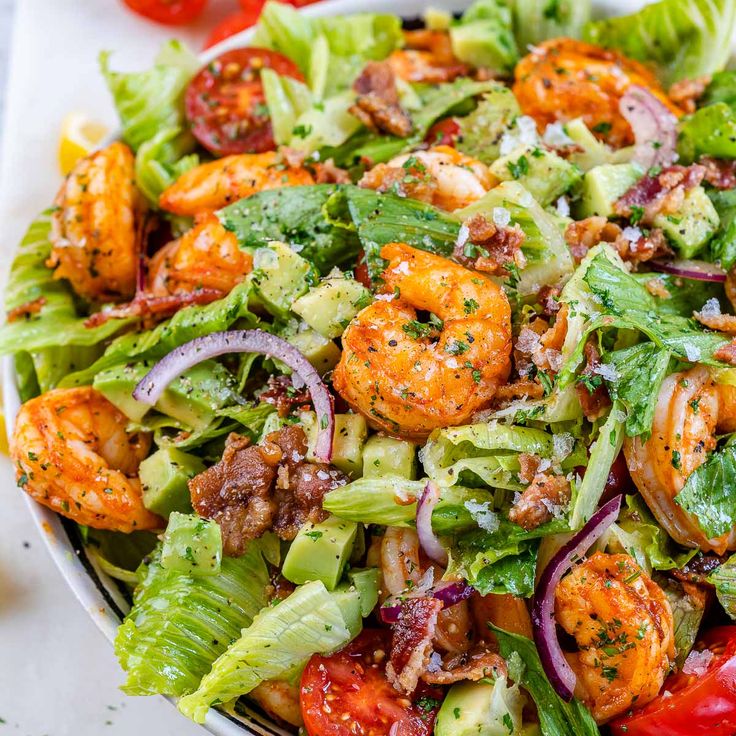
(594,403)
(719,322)
(548,298)
(377,105)
(687,92)
(329,173)
(719,173)
(281,393)
(500,247)
(524,388)
(541,501)
(474,665)
(24,311)
(411,644)
(727,353)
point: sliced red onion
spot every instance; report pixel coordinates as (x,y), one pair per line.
(152,386)
(654,126)
(428,540)
(560,674)
(449,592)
(694,270)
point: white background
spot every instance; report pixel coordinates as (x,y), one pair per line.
(58,675)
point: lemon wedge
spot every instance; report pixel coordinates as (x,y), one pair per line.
(79,137)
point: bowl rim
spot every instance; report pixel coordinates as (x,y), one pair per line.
(94,589)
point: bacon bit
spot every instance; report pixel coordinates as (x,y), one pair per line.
(475,665)
(687,92)
(719,173)
(412,181)
(281,393)
(411,644)
(696,571)
(377,105)
(594,403)
(280,588)
(727,353)
(657,288)
(500,246)
(541,501)
(24,311)
(524,388)
(719,322)
(549,355)
(528,466)
(329,173)
(292,157)
(548,298)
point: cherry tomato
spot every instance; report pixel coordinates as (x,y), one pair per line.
(168,12)
(348,693)
(444,133)
(225,103)
(694,705)
(233,24)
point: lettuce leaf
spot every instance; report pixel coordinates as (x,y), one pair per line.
(483,36)
(180,624)
(483,128)
(709,131)
(724,579)
(683,38)
(688,603)
(723,246)
(538,20)
(287,99)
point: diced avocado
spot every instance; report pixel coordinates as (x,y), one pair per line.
(482,37)
(693,225)
(594,153)
(192,399)
(544,174)
(351,431)
(436,19)
(192,545)
(279,276)
(320,552)
(357,598)
(366,583)
(322,353)
(604,185)
(329,307)
(388,456)
(164,478)
(480,709)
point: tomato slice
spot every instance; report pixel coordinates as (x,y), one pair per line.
(693,705)
(225,103)
(234,24)
(347,694)
(168,12)
(444,133)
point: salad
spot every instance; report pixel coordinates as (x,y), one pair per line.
(389,367)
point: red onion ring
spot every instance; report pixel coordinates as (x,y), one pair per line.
(558,671)
(652,124)
(154,383)
(449,592)
(428,540)
(693,270)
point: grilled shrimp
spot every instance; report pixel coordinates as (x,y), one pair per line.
(622,623)
(409,378)
(210,186)
(94,228)
(690,409)
(441,176)
(404,570)
(73,454)
(563,79)
(206,257)
(427,57)
(279,699)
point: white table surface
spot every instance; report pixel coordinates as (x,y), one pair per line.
(58,675)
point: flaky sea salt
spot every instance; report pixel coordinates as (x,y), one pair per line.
(483,516)
(563,207)
(632,234)
(606,371)
(555,136)
(501,216)
(712,308)
(697,662)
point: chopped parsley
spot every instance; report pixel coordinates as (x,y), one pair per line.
(519,168)
(416,329)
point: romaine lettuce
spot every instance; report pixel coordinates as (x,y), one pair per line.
(287,99)
(723,246)
(483,128)
(724,579)
(709,131)
(688,603)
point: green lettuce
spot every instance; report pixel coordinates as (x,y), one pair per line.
(481,131)
(723,246)
(180,624)
(538,20)
(483,36)
(287,99)
(683,38)
(709,131)
(724,580)
(688,604)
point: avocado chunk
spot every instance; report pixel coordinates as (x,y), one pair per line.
(192,545)
(357,598)
(594,153)
(164,478)
(322,353)
(544,174)
(480,709)
(351,431)
(604,185)
(482,37)
(384,456)
(693,225)
(329,306)
(320,552)
(279,276)
(365,583)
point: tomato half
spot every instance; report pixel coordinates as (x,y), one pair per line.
(347,694)
(696,705)
(225,103)
(233,24)
(444,133)
(168,12)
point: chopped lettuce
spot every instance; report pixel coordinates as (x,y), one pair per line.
(287,99)
(538,20)
(557,718)
(723,246)
(483,128)
(483,36)
(709,131)
(683,38)
(118,555)
(277,643)
(688,603)
(724,579)
(180,624)
(329,123)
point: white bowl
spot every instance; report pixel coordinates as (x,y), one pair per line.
(96,591)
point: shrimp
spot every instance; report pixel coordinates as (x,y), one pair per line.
(409,378)
(441,176)
(95,226)
(506,611)
(622,623)
(562,79)
(73,454)
(428,57)
(213,185)
(690,409)
(206,257)
(279,699)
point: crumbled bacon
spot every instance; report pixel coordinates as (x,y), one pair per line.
(328,173)
(474,665)
(727,353)
(541,501)
(24,311)
(541,344)
(657,288)
(377,104)
(410,180)
(595,402)
(411,644)
(698,569)
(281,393)
(719,322)
(524,388)
(528,466)
(719,173)
(500,247)
(548,298)
(687,92)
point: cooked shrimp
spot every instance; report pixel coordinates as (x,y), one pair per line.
(441,176)
(94,228)
(210,186)
(427,57)
(622,623)
(409,378)
(563,79)
(503,610)
(404,570)
(690,409)
(73,454)
(206,257)
(279,699)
